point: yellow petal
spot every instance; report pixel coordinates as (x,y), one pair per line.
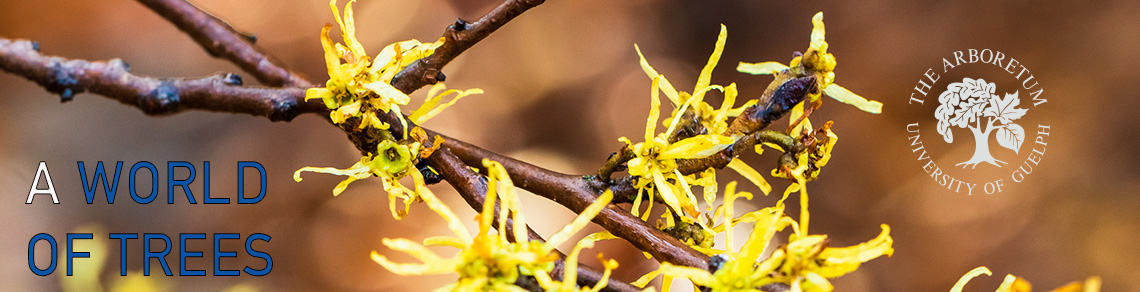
(699,277)
(342,185)
(429,109)
(644,279)
(579,222)
(438,267)
(500,181)
(832,138)
(969,275)
(357,171)
(725,106)
(638,166)
(570,274)
(648,210)
(385,61)
(817,31)
(666,190)
(771,263)
(818,281)
(737,111)
(709,186)
(844,260)
(433,98)
(764,68)
(348,28)
(385,90)
(1092,284)
(863,252)
(654,111)
(1013,283)
(445,241)
(846,96)
(349,110)
(411,248)
(609,265)
(665,86)
(767,224)
(413,50)
(690,204)
(601,235)
(547,283)
(706,73)
(794,116)
(804,216)
(435,204)
(332,60)
(751,174)
(729,196)
(696,147)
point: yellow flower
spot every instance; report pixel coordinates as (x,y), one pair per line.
(359,87)
(818,62)
(1013,283)
(392,162)
(805,262)
(486,261)
(655,163)
(715,121)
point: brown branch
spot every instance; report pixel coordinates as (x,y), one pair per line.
(223,41)
(458,37)
(777,100)
(154,96)
(575,193)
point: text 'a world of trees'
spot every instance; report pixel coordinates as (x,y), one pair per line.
(693,236)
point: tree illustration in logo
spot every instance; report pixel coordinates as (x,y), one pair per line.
(972,104)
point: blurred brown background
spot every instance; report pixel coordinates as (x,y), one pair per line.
(562,85)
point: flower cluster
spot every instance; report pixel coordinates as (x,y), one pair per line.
(696,129)
(806,261)
(359,91)
(494,261)
(1013,283)
(654,162)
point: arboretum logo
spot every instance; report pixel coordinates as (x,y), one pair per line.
(990,97)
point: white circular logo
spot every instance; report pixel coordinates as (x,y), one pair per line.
(974,109)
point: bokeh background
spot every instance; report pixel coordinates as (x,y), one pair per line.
(562,85)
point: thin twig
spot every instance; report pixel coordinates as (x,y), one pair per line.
(615,162)
(458,37)
(223,41)
(154,96)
